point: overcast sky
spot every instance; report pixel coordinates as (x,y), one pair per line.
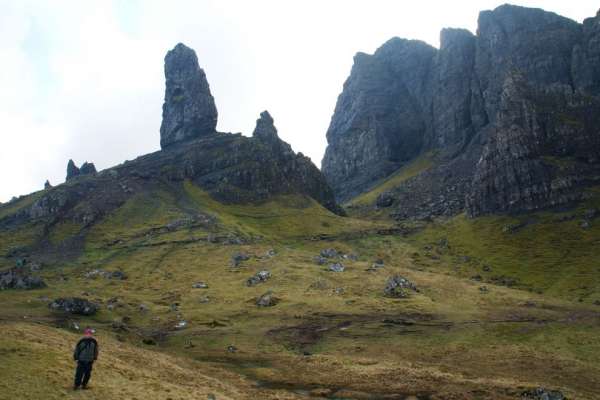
(84,79)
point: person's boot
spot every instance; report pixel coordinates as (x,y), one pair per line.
(75,387)
(85,387)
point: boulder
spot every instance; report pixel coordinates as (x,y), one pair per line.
(398,286)
(18,278)
(329,253)
(337,267)
(74,305)
(200,285)
(238,257)
(189,109)
(259,277)
(542,394)
(267,300)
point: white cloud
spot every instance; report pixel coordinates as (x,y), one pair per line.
(84,80)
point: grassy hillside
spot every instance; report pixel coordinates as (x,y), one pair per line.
(332,335)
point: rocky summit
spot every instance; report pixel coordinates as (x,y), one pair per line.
(189,109)
(232,168)
(508,118)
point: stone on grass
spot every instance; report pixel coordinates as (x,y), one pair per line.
(267,300)
(398,286)
(74,305)
(337,267)
(259,277)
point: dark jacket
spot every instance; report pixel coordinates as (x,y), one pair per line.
(86,350)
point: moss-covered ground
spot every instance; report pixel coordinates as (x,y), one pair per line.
(504,304)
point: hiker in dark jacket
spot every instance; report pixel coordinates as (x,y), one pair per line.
(86,352)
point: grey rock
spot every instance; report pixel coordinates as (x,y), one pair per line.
(337,267)
(259,277)
(189,109)
(329,253)
(511,115)
(238,257)
(267,300)
(72,170)
(87,168)
(319,260)
(542,394)
(200,285)
(398,286)
(266,132)
(18,278)
(74,305)
(384,200)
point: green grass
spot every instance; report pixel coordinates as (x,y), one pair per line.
(412,169)
(558,258)
(463,341)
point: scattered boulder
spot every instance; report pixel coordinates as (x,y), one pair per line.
(267,300)
(200,285)
(351,257)
(378,264)
(204,300)
(271,253)
(542,394)
(329,253)
(483,289)
(17,278)
(397,286)
(231,349)
(95,273)
(259,277)
(238,257)
(503,280)
(319,260)
(143,308)
(384,200)
(337,267)
(74,305)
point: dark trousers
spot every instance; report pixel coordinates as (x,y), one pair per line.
(83,373)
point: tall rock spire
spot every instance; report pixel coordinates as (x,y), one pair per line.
(189,109)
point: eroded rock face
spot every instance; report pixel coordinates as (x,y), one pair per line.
(72,170)
(189,109)
(510,113)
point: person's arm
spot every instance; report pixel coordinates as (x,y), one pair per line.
(76,351)
(96,350)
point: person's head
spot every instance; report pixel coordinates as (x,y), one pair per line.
(88,331)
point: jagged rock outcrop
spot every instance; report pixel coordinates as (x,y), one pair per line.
(47,185)
(86,169)
(189,109)
(510,114)
(72,170)
(266,132)
(232,168)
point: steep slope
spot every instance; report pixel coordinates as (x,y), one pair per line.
(496,108)
(231,168)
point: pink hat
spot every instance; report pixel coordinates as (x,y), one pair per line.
(88,331)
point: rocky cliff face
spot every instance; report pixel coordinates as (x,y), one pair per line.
(189,109)
(511,113)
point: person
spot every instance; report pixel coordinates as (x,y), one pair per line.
(86,352)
